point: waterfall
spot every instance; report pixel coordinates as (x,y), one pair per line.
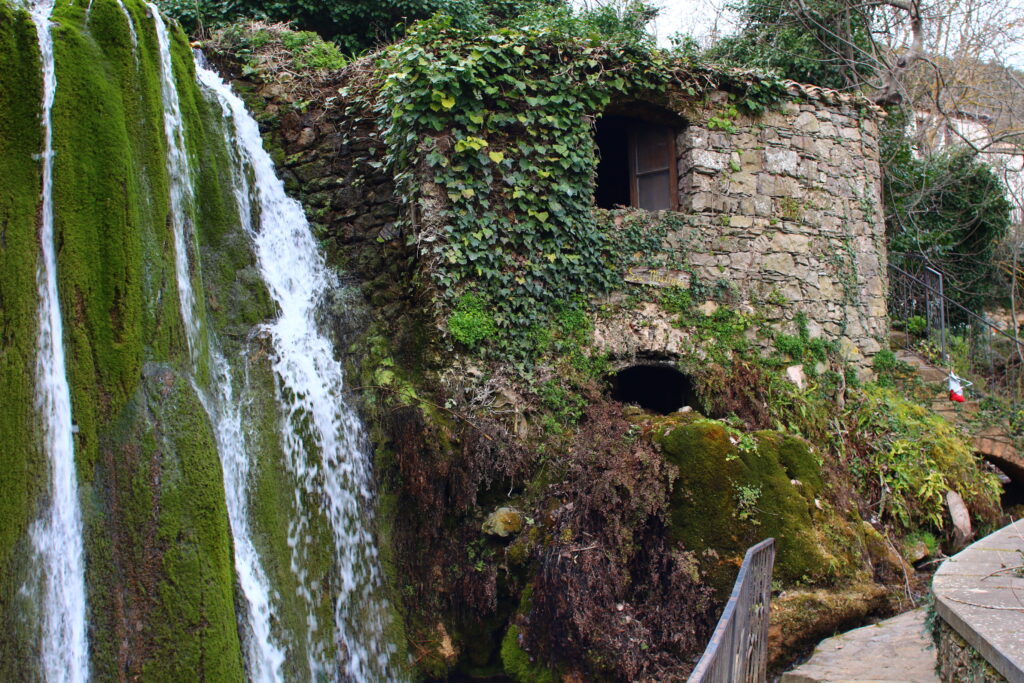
(324,441)
(131,27)
(57,535)
(181,184)
(263,657)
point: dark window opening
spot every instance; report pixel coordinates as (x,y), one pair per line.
(637,165)
(658,388)
(612,188)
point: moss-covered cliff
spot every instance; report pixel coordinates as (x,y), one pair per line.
(22,462)
(160,579)
(160,571)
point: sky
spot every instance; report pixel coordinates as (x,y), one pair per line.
(699,18)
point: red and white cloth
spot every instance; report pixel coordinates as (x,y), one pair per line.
(956,387)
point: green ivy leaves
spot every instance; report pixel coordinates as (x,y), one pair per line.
(503,121)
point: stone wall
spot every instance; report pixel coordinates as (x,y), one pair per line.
(958,661)
(786,209)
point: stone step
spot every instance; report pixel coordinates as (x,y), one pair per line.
(944,405)
(898,340)
(893,650)
(925,370)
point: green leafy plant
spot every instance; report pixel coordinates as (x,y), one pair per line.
(917,456)
(746,501)
(499,123)
(917,325)
(724,120)
(470,322)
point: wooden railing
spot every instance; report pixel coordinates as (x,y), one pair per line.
(738,650)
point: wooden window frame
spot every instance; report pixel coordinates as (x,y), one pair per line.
(673,179)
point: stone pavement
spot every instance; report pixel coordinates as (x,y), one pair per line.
(978,592)
(893,650)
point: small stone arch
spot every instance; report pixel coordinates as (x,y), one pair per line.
(658,387)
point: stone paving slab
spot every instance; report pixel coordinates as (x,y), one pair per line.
(893,650)
(977,593)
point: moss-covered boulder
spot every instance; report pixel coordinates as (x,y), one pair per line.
(735,489)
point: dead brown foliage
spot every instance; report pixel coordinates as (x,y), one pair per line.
(444,464)
(613,597)
(738,390)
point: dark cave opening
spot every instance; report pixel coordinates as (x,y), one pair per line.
(1013,491)
(658,388)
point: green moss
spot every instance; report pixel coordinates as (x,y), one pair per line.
(22,468)
(171,569)
(97,216)
(519,665)
(796,456)
(727,498)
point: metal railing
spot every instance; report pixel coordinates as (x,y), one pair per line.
(738,650)
(962,338)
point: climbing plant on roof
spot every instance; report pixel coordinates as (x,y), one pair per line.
(495,130)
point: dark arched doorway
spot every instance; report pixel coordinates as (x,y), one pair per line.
(658,388)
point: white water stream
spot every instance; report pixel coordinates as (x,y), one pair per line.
(263,657)
(131,27)
(57,535)
(324,441)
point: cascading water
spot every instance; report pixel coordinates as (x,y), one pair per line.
(264,658)
(131,26)
(311,397)
(181,184)
(57,536)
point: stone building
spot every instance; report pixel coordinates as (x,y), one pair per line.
(782,209)
(785,208)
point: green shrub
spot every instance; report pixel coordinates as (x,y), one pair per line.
(916,325)
(917,456)
(470,323)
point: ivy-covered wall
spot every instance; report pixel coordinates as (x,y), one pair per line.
(779,213)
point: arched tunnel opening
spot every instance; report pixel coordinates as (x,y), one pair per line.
(658,388)
(1012,480)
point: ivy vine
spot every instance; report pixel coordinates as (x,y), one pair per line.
(495,132)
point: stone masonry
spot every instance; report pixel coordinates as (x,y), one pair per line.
(786,208)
